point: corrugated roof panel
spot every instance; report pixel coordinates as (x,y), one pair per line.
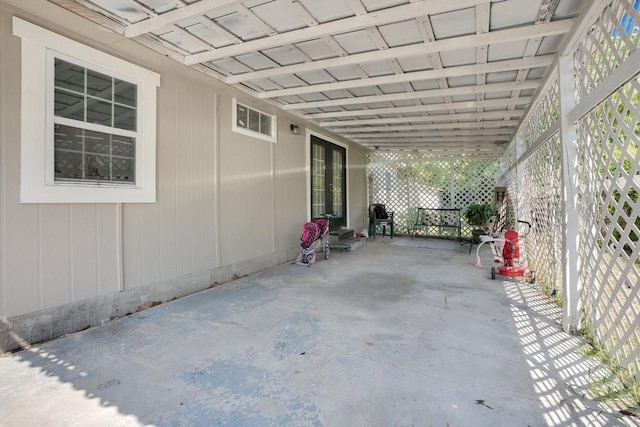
(315,77)
(231,66)
(256,61)
(462,81)
(509,50)
(337,94)
(278,15)
(415,63)
(457,57)
(344,73)
(375,69)
(372,5)
(327,10)
(265,84)
(185,42)
(245,27)
(513,13)
(214,38)
(452,24)
(285,55)
(425,84)
(363,91)
(356,42)
(159,6)
(401,33)
(392,88)
(550,44)
(288,81)
(122,9)
(503,76)
(316,49)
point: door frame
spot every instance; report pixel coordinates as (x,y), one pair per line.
(307,169)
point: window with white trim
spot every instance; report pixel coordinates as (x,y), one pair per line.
(95,126)
(89,118)
(252,122)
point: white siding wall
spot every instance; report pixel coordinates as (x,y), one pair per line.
(226,203)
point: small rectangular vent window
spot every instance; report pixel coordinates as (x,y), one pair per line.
(249,121)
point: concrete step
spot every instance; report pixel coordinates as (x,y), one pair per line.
(340,234)
(349,244)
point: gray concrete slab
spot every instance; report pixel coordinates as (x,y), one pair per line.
(399,333)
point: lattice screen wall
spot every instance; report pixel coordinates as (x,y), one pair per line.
(608,183)
(404,181)
(608,138)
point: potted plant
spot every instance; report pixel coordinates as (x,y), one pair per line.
(478,214)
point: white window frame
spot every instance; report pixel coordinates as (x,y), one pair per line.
(37,183)
(234,123)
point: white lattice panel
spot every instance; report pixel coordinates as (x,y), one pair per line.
(610,42)
(542,207)
(610,269)
(405,181)
(544,114)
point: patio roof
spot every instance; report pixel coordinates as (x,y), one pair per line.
(387,74)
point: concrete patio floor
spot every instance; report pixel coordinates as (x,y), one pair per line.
(399,333)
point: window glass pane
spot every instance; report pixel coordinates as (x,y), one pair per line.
(99,112)
(318,166)
(99,85)
(68,105)
(68,165)
(265,124)
(123,170)
(67,138)
(68,152)
(337,182)
(254,120)
(97,143)
(125,117)
(241,116)
(125,93)
(69,76)
(83,155)
(123,146)
(97,167)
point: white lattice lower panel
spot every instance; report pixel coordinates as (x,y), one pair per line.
(542,207)
(608,143)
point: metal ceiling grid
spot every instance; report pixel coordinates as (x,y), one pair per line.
(390,74)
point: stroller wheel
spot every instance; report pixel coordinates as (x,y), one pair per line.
(493,273)
(533,277)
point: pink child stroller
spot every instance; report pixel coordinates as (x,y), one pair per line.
(314,234)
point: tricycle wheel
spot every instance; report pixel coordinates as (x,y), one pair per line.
(493,273)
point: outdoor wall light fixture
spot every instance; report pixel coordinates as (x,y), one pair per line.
(295,129)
